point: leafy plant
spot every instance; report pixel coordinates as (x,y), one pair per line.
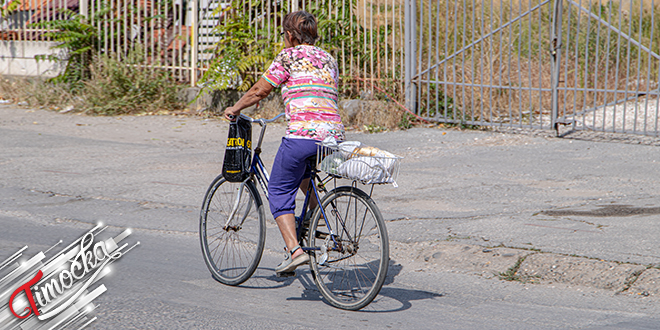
(7,9)
(75,34)
(248,45)
(242,53)
(406,121)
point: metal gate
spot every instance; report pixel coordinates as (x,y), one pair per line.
(535,64)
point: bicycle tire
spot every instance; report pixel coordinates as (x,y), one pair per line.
(232,254)
(350,279)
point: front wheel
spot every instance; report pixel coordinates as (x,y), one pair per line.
(232,248)
(351,251)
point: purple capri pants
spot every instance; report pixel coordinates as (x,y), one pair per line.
(290,167)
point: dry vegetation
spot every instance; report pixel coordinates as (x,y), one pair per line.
(373,116)
(116,88)
(34,92)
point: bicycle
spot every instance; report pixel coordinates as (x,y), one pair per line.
(347,240)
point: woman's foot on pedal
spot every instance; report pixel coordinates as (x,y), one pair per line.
(292,260)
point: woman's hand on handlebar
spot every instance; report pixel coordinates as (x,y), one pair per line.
(232,113)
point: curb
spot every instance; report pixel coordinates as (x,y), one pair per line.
(529,266)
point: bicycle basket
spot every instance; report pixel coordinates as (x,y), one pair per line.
(351,160)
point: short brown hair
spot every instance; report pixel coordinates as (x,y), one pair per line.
(302,26)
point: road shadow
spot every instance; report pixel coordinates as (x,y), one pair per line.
(397,296)
(265,278)
(390,299)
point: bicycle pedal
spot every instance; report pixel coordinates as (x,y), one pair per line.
(285,274)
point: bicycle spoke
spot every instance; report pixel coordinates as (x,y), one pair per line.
(356,266)
(232,249)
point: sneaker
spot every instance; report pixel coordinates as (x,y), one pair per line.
(290,264)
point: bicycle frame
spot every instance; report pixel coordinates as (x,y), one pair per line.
(258,171)
(351,222)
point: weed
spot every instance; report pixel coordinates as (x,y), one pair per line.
(377,116)
(511,274)
(456,237)
(13,89)
(630,280)
(126,87)
(406,121)
(373,129)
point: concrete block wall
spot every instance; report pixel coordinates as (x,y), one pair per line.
(17,59)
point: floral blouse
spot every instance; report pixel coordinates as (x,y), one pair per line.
(308,76)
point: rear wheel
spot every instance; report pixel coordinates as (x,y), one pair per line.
(232,249)
(349,266)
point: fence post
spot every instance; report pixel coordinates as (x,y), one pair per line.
(410,62)
(195,43)
(84,11)
(555,52)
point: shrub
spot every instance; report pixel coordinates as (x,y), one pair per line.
(115,88)
(128,87)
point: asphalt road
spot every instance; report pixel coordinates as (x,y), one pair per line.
(60,174)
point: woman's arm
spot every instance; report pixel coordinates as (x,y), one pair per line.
(258,92)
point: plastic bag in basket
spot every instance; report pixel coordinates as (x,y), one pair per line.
(369,165)
(331,162)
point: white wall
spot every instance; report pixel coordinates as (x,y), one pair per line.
(17,59)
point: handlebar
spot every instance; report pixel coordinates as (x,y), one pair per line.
(261,122)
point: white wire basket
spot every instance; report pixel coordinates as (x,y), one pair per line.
(354,161)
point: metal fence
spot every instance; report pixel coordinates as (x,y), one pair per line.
(180,35)
(535,64)
(159,31)
(610,83)
(366,36)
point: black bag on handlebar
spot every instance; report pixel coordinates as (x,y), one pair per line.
(236,166)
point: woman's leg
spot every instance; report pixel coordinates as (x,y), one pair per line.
(286,177)
(287,226)
(304,185)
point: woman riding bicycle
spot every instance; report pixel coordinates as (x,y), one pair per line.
(309,77)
